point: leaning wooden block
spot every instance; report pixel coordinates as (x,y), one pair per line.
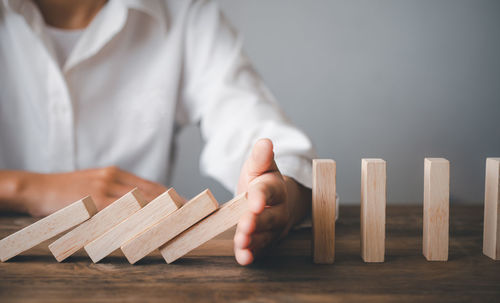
(491,236)
(436,209)
(373,202)
(104,220)
(323,210)
(221,220)
(146,217)
(46,228)
(170,226)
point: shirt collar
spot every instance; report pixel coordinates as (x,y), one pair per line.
(153,8)
(103,28)
(108,23)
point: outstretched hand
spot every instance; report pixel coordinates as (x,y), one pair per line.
(276,202)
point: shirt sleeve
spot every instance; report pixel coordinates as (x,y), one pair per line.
(225,95)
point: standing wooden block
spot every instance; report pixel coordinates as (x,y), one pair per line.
(221,220)
(46,228)
(436,209)
(146,217)
(170,226)
(373,203)
(323,210)
(491,236)
(104,220)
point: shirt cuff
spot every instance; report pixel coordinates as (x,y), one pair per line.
(296,167)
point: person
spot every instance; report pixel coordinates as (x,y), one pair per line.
(92,94)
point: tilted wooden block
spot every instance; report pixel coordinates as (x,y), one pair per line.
(146,217)
(323,210)
(436,209)
(221,220)
(104,220)
(491,236)
(46,228)
(373,204)
(169,226)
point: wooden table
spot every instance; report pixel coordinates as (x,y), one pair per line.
(287,274)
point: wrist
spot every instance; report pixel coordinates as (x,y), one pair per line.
(299,200)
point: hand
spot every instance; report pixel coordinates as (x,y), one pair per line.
(44,194)
(275,203)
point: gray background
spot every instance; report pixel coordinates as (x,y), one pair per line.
(400,80)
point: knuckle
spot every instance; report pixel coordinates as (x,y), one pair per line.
(101,186)
(109,173)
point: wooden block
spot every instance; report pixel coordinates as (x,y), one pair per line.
(373,203)
(104,220)
(221,220)
(323,210)
(491,235)
(46,228)
(436,209)
(146,217)
(170,226)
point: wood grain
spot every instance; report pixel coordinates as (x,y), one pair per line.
(46,228)
(491,234)
(373,203)
(436,209)
(221,220)
(143,219)
(104,220)
(323,210)
(210,273)
(169,226)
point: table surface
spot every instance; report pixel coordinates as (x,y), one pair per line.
(210,273)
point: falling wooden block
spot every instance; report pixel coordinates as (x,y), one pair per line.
(221,220)
(104,220)
(323,210)
(46,228)
(169,226)
(373,202)
(436,209)
(146,217)
(491,236)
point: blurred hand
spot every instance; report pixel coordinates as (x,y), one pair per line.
(271,199)
(44,194)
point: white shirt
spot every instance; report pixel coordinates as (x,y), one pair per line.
(140,71)
(63,41)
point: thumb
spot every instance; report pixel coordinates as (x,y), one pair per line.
(261,159)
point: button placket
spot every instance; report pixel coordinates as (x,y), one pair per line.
(61,134)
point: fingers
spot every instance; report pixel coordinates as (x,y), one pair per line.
(247,248)
(243,256)
(265,190)
(131,179)
(256,242)
(247,223)
(256,231)
(128,180)
(272,218)
(116,190)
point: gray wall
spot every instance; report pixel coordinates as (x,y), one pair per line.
(400,80)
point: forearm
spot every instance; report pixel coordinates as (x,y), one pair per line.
(12,185)
(299,200)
